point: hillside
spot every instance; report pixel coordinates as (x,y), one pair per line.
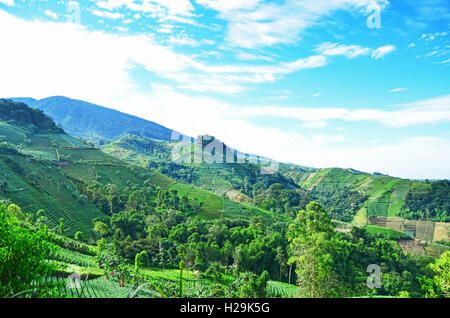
(348,194)
(239,182)
(114,219)
(81,119)
(363,198)
(45,168)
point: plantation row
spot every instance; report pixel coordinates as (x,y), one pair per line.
(73,287)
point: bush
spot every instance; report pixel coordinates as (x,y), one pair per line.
(17,273)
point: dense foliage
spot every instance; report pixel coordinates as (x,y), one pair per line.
(432,203)
(78,116)
(341,202)
(23,254)
(278,199)
(23,114)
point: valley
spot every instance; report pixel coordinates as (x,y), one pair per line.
(112,207)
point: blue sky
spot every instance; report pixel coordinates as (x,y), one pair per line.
(325,83)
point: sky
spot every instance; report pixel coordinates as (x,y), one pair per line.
(362,84)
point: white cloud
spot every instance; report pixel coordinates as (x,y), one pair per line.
(399,89)
(433,36)
(157,7)
(108,15)
(314,124)
(427,111)
(382,51)
(51,14)
(9,3)
(245,56)
(229,5)
(256,23)
(75,61)
(94,66)
(350,51)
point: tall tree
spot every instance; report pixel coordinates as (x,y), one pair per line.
(309,238)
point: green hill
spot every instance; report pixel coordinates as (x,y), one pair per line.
(95,123)
(240,182)
(348,194)
(44,168)
(358,196)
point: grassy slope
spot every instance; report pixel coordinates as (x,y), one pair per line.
(34,182)
(215,177)
(212,183)
(385,194)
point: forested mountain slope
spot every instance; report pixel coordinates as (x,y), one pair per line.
(43,168)
(95,123)
(348,194)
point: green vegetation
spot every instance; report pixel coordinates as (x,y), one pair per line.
(127,222)
(345,192)
(388,234)
(431,201)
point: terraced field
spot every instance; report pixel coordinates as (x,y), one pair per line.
(281,290)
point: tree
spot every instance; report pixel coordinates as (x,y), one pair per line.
(214,271)
(282,260)
(439,285)
(309,238)
(61,227)
(101,228)
(140,261)
(79,236)
(16,271)
(16,211)
(250,285)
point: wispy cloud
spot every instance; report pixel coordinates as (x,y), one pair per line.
(51,14)
(245,56)
(399,89)
(350,51)
(9,3)
(314,124)
(427,111)
(257,23)
(107,14)
(157,8)
(382,51)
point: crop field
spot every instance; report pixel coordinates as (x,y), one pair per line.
(397,197)
(280,290)
(101,287)
(389,233)
(73,257)
(51,191)
(75,142)
(436,250)
(12,134)
(211,203)
(79,154)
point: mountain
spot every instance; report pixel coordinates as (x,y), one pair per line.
(93,122)
(349,195)
(238,181)
(54,186)
(44,168)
